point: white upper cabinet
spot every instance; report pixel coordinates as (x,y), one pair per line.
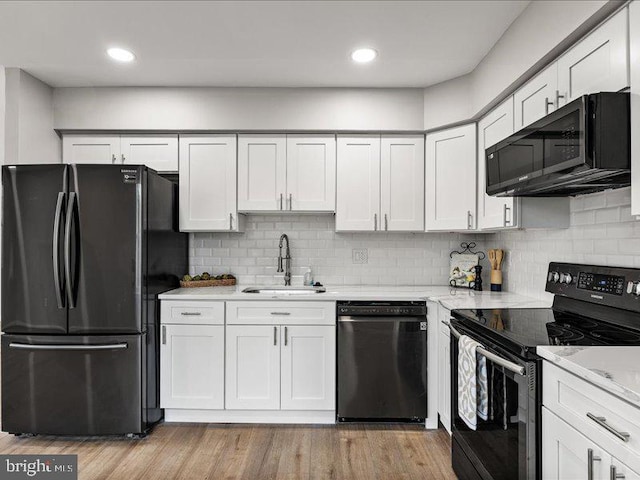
(208,184)
(536,98)
(159,152)
(634,54)
(311,172)
(100,149)
(358,183)
(286,173)
(402,183)
(494,212)
(598,63)
(262,173)
(380,183)
(450,179)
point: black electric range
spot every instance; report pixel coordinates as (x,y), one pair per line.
(592,305)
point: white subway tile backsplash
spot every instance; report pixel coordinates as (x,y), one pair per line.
(602,232)
(394,258)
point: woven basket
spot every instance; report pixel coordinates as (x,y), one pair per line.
(227,282)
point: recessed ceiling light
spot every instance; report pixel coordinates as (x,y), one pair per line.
(121,55)
(363,55)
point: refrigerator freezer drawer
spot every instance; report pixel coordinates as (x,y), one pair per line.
(72,385)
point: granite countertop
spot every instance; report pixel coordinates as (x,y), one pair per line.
(448,297)
(615,369)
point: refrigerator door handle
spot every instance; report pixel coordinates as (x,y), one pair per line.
(27,346)
(67,249)
(56,250)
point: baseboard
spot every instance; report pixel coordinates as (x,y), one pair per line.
(325,417)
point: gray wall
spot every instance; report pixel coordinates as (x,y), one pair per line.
(29,134)
(237,109)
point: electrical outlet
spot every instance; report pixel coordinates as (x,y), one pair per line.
(359,255)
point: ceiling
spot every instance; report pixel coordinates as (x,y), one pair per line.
(251,43)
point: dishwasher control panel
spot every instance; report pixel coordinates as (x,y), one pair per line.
(382,309)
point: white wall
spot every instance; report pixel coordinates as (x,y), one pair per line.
(237,109)
(448,102)
(2,112)
(29,133)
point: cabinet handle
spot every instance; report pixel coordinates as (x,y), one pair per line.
(547,103)
(613,474)
(504,215)
(281,201)
(191,314)
(123,158)
(290,201)
(280,313)
(558,97)
(469,220)
(602,421)
(386,223)
(444,322)
(275,336)
(375,221)
(285,336)
(231,221)
(164,334)
(590,459)
(113,158)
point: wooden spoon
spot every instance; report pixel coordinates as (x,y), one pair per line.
(499,257)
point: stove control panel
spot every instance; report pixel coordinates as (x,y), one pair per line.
(613,286)
(595,282)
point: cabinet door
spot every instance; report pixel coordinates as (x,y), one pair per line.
(450,181)
(402,183)
(358,183)
(536,98)
(262,172)
(192,366)
(634,55)
(159,152)
(567,454)
(494,212)
(311,172)
(100,149)
(617,469)
(208,183)
(253,367)
(599,63)
(444,368)
(308,368)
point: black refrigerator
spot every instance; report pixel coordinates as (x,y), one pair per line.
(85,251)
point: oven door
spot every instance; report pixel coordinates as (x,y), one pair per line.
(505,443)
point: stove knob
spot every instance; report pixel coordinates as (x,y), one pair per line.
(636,288)
(630,287)
(554,277)
(565,278)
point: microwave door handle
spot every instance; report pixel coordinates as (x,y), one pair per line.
(498,360)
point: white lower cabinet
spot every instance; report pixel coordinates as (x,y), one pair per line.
(253,367)
(567,454)
(444,368)
(192,366)
(280,367)
(586,431)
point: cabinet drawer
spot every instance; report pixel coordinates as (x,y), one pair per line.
(280,313)
(195,312)
(572,399)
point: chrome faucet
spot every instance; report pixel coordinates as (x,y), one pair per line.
(287,260)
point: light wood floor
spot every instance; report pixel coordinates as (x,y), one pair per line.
(255,452)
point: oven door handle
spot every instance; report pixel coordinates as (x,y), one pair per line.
(511,366)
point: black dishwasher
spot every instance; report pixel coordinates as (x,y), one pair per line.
(382,361)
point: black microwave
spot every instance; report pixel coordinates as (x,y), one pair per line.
(583,147)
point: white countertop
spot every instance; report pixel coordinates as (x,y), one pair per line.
(615,369)
(449,297)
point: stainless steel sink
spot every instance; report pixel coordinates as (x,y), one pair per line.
(285,290)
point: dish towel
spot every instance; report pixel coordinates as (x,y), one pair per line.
(473,391)
(467,386)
